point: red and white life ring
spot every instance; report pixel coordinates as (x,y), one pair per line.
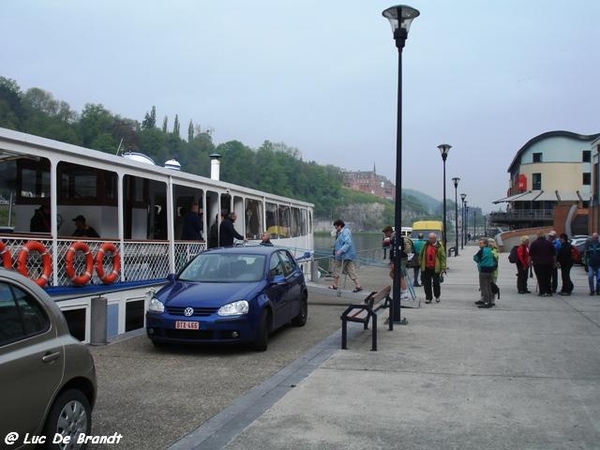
(6,256)
(35,246)
(79,280)
(108,247)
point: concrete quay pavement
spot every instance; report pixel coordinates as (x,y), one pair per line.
(522,375)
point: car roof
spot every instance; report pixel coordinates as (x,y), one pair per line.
(247,250)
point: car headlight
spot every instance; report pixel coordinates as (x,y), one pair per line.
(156,306)
(234,309)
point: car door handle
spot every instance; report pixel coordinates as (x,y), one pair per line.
(49,357)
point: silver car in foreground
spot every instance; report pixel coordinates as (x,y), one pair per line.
(47,377)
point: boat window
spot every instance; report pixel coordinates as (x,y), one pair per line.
(33,179)
(253,218)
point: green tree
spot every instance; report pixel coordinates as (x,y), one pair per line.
(11,109)
(149,121)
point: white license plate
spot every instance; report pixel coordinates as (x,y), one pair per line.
(186,325)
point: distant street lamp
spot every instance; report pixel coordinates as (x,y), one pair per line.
(474,226)
(466,222)
(444,150)
(400,17)
(455,180)
(462,221)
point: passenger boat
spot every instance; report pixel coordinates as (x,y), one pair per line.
(136,207)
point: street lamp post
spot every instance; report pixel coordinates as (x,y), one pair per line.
(400,17)
(444,150)
(466,222)
(462,221)
(474,226)
(455,180)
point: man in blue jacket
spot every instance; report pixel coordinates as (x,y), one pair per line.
(343,256)
(485,266)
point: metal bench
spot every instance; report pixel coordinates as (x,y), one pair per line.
(364,312)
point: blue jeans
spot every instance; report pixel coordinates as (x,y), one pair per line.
(593,272)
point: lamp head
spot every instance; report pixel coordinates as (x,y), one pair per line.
(400,17)
(455,180)
(444,150)
(463,196)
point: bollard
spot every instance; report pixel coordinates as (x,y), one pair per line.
(99,321)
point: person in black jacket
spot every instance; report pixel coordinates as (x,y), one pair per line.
(564,261)
(227,231)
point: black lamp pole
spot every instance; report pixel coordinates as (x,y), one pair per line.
(444,150)
(462,221)
(455,180)
(400,17)
(466,222)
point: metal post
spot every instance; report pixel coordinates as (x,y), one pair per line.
(99,321)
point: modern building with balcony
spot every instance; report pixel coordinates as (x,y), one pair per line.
(550,184)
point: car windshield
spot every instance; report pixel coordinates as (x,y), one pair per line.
(224,268)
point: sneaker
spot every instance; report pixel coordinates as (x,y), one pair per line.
(479,302)
(427,301)
(437,299)
(485,305)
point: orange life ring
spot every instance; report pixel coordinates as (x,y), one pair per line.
(35,246)
(6,256)
(79,280)
(108,247)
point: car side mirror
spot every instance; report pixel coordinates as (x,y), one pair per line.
(278,279)
(171,277)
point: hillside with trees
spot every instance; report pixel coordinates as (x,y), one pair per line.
(273,167)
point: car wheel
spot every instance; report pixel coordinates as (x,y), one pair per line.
(70,415)
(300,319)
(262,334)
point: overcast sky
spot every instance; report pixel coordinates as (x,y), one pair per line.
(321,75)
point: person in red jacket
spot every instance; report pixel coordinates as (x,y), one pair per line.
(523,263)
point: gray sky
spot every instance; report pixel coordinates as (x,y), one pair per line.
(321,75)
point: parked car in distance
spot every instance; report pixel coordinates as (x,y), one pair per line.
(47,377)
(229,295)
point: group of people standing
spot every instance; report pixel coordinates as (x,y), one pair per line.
(547,255)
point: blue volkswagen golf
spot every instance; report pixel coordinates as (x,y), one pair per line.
(229,295)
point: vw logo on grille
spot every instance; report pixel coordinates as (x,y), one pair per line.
(187,312)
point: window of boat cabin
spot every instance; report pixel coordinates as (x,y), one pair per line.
(285,221)
(83,185)
(33,180)
(254,218)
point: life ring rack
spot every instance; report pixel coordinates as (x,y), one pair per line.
(6,256)
(108,247)
(35,246)
(79,280)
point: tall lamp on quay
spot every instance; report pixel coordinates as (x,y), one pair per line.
(400,17)
(444,150)
(462,221)
(455,180)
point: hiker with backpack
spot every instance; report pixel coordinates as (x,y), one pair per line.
(486,265)
(523,262)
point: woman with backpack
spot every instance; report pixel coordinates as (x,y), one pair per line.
(564,261)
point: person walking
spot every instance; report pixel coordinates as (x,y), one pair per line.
(433,263)
(486,264)
(564,261)
(416,263)
(591,259)
(543,258)
(523,265)
(343,256)
(227,232)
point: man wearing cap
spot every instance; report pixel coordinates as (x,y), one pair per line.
(82,229)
